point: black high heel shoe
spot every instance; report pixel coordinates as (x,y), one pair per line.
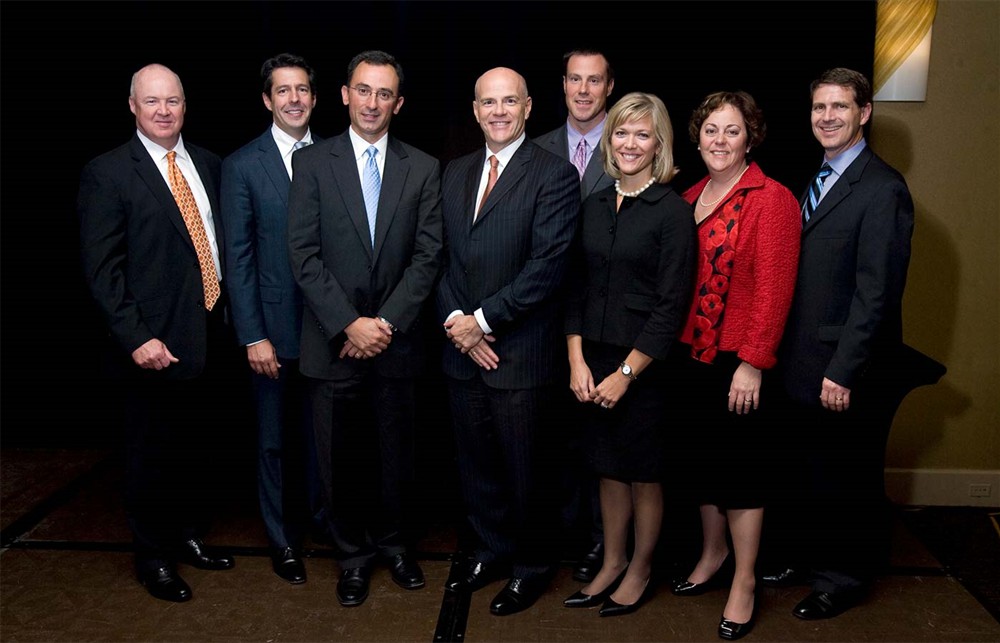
(612,608)
(579,599)
(732,631)
(724,574)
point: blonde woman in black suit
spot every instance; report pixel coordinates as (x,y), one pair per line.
(632,278)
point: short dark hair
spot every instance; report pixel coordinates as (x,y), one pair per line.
(743,103)
(285,60)
(588,52)
(375,57)
(846,78)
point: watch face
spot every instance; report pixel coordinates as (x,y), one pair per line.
(626,369)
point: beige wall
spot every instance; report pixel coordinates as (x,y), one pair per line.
(948,147)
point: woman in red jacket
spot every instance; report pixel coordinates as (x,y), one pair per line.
(748,246)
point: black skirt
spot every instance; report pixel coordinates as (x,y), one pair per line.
(625,442)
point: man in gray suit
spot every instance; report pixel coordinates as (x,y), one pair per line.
(267,309)
(588,80)
(364,233)
(510,211)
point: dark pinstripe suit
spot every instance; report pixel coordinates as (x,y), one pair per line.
(510,262)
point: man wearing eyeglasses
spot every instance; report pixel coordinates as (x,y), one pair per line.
(364,234)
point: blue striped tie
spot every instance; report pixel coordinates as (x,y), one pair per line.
(815,189)
(371,185)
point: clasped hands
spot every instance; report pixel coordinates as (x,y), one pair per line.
(366,337)
(607,394)
(465,333)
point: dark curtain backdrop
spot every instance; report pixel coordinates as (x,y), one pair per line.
(66,69)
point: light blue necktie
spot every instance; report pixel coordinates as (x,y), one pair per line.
(815,189)
(371,184)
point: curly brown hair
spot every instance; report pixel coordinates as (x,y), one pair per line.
(741,101)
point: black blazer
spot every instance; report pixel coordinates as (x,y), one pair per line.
(632,270)
(846,316)
(341,276)
(510,262)
(138,258)
(594,178)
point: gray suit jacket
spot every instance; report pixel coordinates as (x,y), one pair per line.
(341,275)
(594,177)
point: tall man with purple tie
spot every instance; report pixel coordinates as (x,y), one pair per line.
(588,80)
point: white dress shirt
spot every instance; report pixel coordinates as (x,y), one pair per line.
(286,144)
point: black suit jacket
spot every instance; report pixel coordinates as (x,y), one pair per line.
(341,276)
(510,262)
(632,273)
(138,258)
(594,178)
(846,317)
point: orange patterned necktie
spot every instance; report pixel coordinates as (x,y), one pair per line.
(490,182)
(196,228)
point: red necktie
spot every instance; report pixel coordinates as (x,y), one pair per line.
(196,228)
(490,182)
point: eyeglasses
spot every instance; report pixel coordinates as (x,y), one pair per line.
(364,91)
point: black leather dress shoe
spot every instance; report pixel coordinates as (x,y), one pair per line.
(732,631)
(471,575)
(288,565)
(579,599)
(612,608)
(722,576)
(588,566)
(406,572)
(518,595)
(819,605)
(784,578)
(164,583)
(193,552)
(352,588)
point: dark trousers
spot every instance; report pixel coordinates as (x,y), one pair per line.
(364,445)
(500,442)
(288,481)
(830,513)
(176,449)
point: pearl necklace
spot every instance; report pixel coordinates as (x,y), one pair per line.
(729,187)
(633,193)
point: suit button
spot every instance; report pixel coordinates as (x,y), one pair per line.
(369,268)
(604,261)
(611,229)
(603,292)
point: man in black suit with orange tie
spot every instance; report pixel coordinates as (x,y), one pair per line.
(840,353)
(364,234)
(150,242)
(510,212)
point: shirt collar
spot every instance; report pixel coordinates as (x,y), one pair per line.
(159,152)
(593,136)
(360,145)
(504,155)
(840,163)
(286,141)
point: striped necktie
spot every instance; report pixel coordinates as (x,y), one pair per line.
(815,189)
(371,184)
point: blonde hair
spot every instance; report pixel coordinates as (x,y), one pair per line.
(633,107)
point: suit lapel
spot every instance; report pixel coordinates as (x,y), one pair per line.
(396,168)
(516,169)
(274,165)
(345,173)
(841,189)
(146,168)
(595,168)
(208,181)
(472,188)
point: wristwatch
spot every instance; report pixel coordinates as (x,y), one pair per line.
(627,371)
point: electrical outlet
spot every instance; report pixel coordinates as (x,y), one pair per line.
(982,490)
